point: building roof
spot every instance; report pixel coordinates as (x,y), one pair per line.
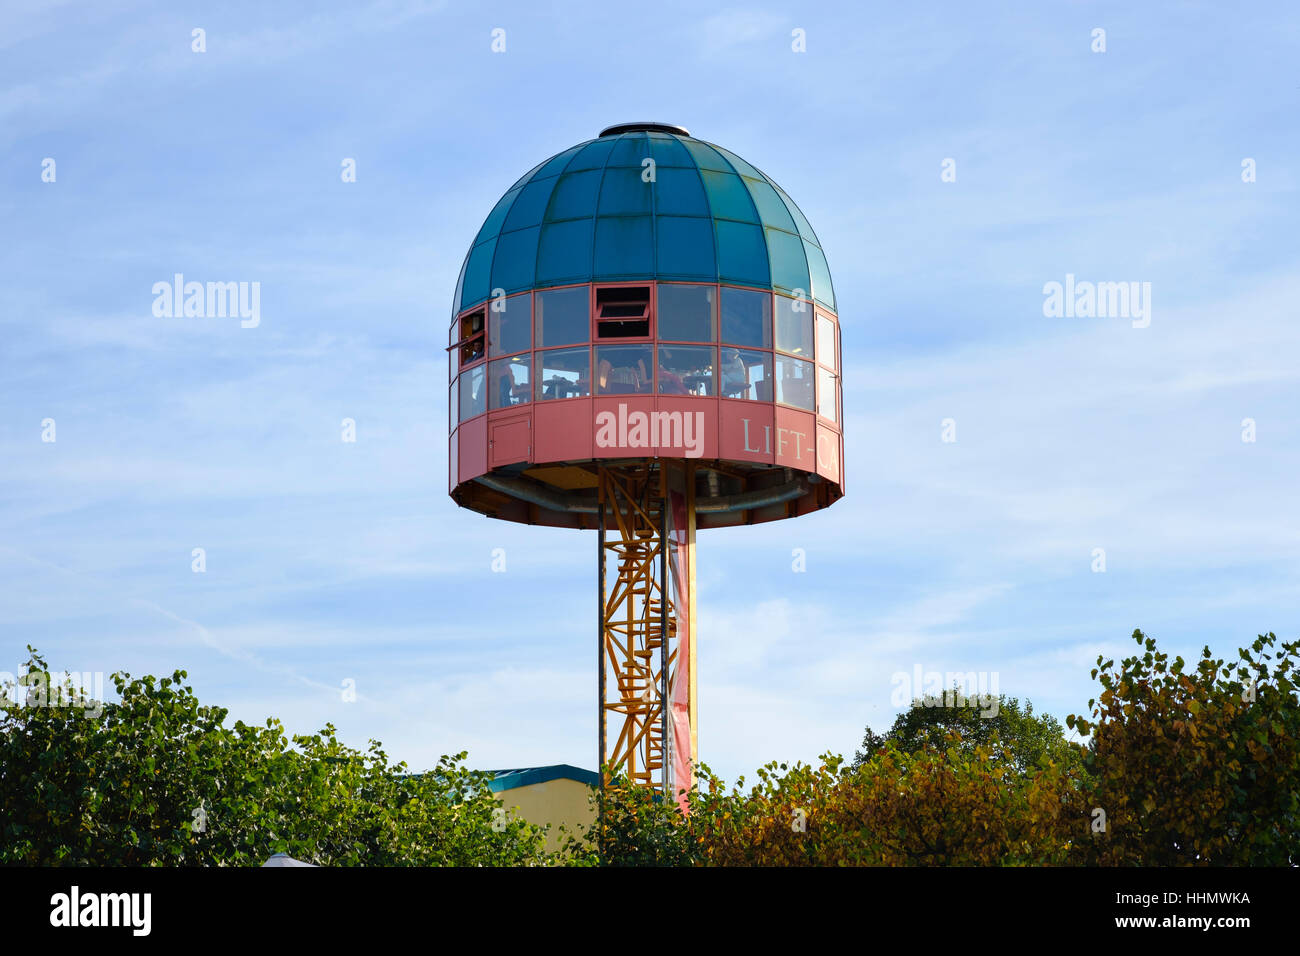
(592,213)
(525,776)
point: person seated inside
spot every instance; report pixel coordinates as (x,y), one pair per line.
(735,376)
(670,383)
(623,379)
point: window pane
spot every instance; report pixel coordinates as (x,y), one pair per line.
(623,369)
(746,374)
(794,326)
(563,316)
(510,330)
(509,382)
(563,373)
(794,382)
(453,406)
(826,343)
(686,370)
(686,313)
(826,397)
(473,394)
(747,317)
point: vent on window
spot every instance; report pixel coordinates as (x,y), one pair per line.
(623,312)
(472,337)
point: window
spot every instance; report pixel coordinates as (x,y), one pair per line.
(746,374)
(508,382)
(511,328)
(623,369)
(472,337)
(827,393)
(623,312)
(685,313)
(453,406)
(686,370)
(562,373)
(826,343)
(794,326)
(563,316)
(747,317)
(794,382)
(473,394)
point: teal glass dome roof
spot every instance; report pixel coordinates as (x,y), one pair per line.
(587,215)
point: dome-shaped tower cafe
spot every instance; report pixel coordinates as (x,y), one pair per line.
(645,342)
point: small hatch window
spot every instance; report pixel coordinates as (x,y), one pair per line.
(623,312)
(473,337)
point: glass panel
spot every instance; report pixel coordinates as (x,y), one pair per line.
(624,247)
(528,208)
(622,193)
(739,164)
(794,382)
(592,156)
(492,225)
(789,267)
(563,373)
(476,287)
(794,326)
(668,151)
(770,208)
(509,381)
(819,275)
(623,369)
(747,317)
(511,329)
(745,374)
(473,394)
(556,163)
(630,150)
(728,197)
(575,196)
(685,247)
(563,316)
(826,394)
(742,253)
(805,229)
(706,157)
(565,251)
(686,313)
(515,261)
(453,405)
(679,192)
(826,343)
(686,370)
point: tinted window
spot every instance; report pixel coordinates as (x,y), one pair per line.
(794,326)
(563,316)
(686,313)
(511,329)
(563,373)
(747,317)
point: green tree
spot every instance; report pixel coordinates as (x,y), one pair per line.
(159,779)
(1013,735)
(1198,765)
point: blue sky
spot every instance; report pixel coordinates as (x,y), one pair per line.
(329,561)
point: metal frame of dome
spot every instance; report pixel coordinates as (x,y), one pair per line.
(584,215)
